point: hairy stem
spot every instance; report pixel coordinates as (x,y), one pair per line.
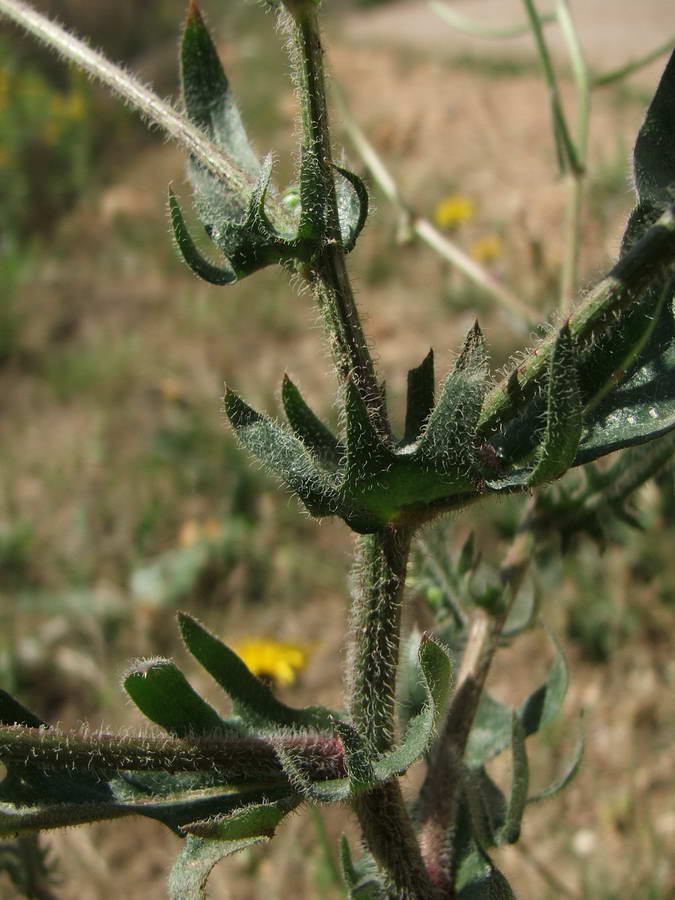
(642,267)
(385,823)
(441,791)
(150,106)
(328,274)
(238,758)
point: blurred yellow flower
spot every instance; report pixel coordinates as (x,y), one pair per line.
(273,661)
(453,210)
(487,248)
(192,531)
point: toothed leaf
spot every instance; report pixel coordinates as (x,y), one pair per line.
(308,427)
(251,698)
(563,414)
(162,693)
(420,400)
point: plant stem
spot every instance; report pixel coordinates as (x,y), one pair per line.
(423,228)
(150,106)
(634,66)
(642,267)
(441,791)
(576,175)
(478,29)
(328,274)
(381,567)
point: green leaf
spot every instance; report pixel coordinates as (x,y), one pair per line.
(207,96)
(479,879)
(13,713)
(191,870)
(420,398)
(367,456)
(199,265)
(352,200)
(545,703)
(448,438)
(251,698)
(520,782)
(642,407)
(162,693)
(654,154)
(492,730)
(257,820)
(567,776)
(435,671)
(563,414)
(361,878)
(318,439)
(284,454)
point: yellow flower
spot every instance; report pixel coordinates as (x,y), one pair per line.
(487,248)
(453,210)
(273,661)
(192,531)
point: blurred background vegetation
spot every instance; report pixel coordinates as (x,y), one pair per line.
(123,497)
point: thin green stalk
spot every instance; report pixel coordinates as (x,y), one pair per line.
(325,845)
(131,91)
(576,175)
(423,228)
(478,29)
(567,154)
(634,66)
(328,274)
(385,823)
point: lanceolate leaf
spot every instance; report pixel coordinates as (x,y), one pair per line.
(207,96)
(285,454)
(13,713)
(492,730)
(563,414)
(162,693)
(308,427)
(568,775)
(256,820)
(448,438)
(642,407)
(420,400)
(654,155)
(252,700)
(200,266)
(520,781)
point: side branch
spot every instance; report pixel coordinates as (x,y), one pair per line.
(141,98)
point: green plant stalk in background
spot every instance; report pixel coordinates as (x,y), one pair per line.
(603,381)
